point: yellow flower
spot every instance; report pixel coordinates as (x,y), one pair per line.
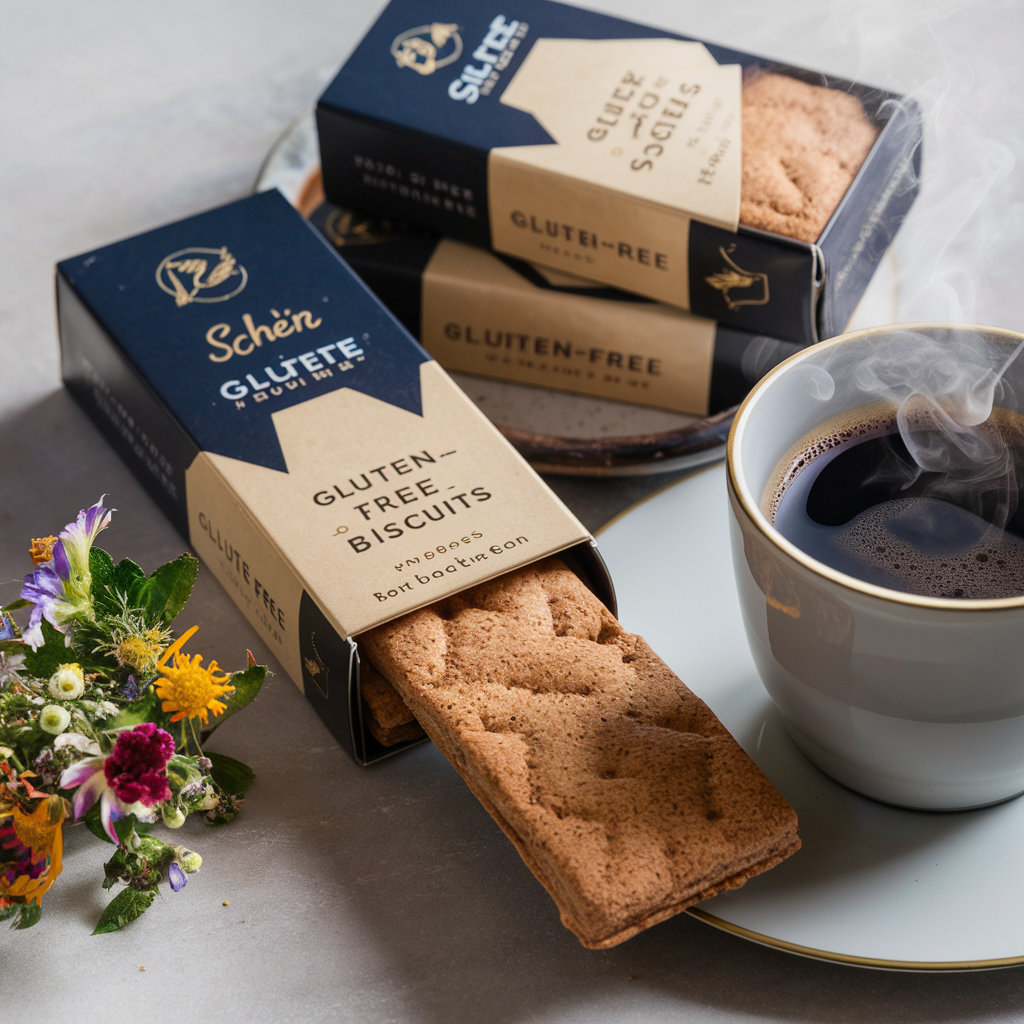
(31,838)
(140,651)
(190,690)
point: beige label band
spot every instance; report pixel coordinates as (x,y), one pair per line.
(647,137)
(381,512)
(481,316)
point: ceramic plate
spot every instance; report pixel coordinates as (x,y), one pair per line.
(874,885)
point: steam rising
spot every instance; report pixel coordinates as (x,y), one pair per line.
(944,389)
(953,258)
(956,256)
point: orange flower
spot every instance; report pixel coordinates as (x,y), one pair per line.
(31,845)
(42,549)
(188,689)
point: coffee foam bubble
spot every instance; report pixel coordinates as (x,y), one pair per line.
(922,544)
(861,424)
(969,558)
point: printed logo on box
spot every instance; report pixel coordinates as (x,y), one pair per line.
(427,48)
(413,49)
(188,276)
(347,228)
(733,277)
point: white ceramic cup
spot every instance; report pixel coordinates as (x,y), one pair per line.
(916,701)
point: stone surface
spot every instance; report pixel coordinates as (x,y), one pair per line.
(387,894)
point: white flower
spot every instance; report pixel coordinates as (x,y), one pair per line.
(54,719)
(209,801)
(5,751)
(79,742)
(9,666)
(141,811)
(189,859)
(68,682)
(173,816)
(106,709)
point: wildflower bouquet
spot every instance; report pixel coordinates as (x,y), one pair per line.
(98,722)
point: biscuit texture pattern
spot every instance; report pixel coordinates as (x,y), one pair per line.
(386,715)
(802,147)
(623,793)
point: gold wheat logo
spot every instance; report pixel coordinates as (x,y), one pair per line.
(734,278)
(317,668)
(201,275)
(418,48)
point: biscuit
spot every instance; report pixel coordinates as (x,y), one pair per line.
(385,713)
(802,147)
(620,789)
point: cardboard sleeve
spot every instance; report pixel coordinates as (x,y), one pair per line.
(323,466)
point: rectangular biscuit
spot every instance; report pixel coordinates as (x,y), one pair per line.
(803,145)
(385,713)
(620,789)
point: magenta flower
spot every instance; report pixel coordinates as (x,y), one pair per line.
(61,590)
(131,779)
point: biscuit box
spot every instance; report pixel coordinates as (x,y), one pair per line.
(496,316)
(324,467)
(613,151)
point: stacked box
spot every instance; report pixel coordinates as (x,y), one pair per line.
(497,316)
(614,151)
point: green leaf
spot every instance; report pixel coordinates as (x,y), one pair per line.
(53,653)
(21,915)
(247,684)
(13,607)
(232,776)
(124,908)
(128,578)
(122,826)
(164,594)
(101,568)
(94,825)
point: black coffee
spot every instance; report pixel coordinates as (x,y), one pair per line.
(851,495)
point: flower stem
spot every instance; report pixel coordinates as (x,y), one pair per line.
(192,726)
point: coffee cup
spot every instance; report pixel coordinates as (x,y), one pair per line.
(913,700)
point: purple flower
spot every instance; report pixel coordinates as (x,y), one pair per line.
(131,779)
(61,590)
(130,690)
(176,877)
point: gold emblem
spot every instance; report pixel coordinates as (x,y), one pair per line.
(345,228)
(419,47)
(317,669)
(189,277)
(734,278)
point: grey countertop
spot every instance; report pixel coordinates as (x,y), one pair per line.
(388,894)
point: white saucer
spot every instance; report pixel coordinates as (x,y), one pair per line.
(874,885)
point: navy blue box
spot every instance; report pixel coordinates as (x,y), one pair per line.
(318,460)
(405,139)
